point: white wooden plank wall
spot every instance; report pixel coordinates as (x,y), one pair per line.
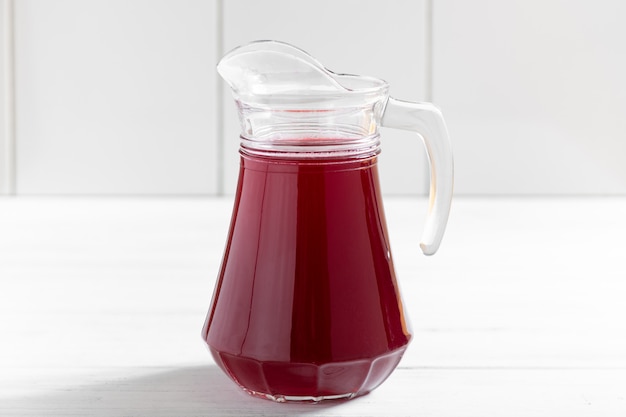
(5,99)
(121,97)
(115,97)
(534,94)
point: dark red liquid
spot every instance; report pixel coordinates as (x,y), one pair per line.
(306,303)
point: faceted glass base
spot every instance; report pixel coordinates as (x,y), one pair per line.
(306,382)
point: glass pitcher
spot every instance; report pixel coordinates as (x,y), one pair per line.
(306,306)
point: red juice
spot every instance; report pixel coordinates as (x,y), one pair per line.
(306,306)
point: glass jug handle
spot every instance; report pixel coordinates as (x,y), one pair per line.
(427,120)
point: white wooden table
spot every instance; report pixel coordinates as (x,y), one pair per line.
(521,313)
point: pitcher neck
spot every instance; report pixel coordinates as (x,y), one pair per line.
(294,147)
(311,133)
